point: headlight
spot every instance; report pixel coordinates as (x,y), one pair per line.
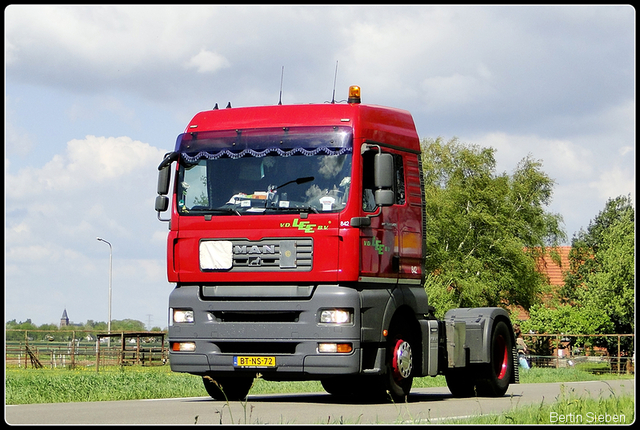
(182,316)
(336,316)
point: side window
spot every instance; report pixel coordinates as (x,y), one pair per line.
(192,189)
(399,185)
(368,186)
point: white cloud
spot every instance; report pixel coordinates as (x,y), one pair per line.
(86,163)
(207,62)
(18,141)
(614,182)
(99,106)
(561,158)
(451,92)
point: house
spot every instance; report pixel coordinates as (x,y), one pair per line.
(553,272)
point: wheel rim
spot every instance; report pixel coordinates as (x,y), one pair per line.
(402,360)
(501,357)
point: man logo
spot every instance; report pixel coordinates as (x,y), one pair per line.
(255,261)
(254,249)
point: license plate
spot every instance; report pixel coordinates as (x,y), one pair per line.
(253,361)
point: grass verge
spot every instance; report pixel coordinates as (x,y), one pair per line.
(23,386)
(566,409)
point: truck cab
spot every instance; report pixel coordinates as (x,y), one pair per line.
(296,245)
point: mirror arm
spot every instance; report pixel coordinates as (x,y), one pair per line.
(162,219)
(169,158)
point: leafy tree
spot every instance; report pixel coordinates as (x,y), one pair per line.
(14,325)
(127,325)
(95,325)
(560,318)
(602,273)
(484,230)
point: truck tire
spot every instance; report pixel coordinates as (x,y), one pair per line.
(460,382)
(365,387)
(338,386)
(400,363)
(227,389)
(494,377)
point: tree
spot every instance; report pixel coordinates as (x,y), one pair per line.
(557,318)
(127,325)
(484,230)
(14,325)
(602,272)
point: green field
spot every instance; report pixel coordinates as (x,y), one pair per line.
(135,382)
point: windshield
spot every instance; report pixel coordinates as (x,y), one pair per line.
(305,169)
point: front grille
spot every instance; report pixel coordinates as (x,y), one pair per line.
(272,254)
(256,317)
(257,347)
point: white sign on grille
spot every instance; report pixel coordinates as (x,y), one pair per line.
(216,255)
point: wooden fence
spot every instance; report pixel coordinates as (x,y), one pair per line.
(583,351)
(108,349)
(93,349)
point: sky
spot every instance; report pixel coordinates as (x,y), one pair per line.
(96,95)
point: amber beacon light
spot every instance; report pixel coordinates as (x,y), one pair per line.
(354,94)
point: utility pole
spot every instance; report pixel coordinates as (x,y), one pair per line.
(110,277)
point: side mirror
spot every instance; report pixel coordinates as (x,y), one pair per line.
(385,197)
(383,170)
(383,179)
(162,203)
(164,176)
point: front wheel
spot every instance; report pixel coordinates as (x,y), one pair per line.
(495,377)
(227,389)
(348,386)
(400,363)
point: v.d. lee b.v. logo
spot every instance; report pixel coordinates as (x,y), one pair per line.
(304,226)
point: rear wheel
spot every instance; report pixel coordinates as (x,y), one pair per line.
(495,377)
(227,388)
(460,382)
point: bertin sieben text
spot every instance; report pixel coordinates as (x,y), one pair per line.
(587,418)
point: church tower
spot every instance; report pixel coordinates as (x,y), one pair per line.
(64,320)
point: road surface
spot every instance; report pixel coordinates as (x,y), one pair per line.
(425,405)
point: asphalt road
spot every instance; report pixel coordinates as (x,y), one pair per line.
(425,405)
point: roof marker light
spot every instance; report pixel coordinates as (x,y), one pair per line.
(354,94)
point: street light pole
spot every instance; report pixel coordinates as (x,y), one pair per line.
(110,275)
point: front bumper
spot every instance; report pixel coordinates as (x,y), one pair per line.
(287,329)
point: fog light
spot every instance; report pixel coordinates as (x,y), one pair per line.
(182,316)
(341,348)
(183,346)
(335,316)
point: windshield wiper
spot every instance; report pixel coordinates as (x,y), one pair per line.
(225,210)
(295,209)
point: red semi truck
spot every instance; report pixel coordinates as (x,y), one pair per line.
(296,243)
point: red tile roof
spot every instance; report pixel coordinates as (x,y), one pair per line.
(554,271)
